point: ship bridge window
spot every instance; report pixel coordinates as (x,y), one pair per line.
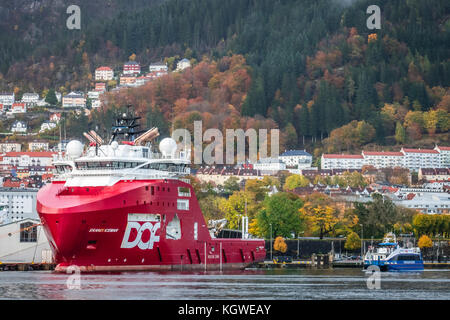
(170,167)
(63,169)
(100,165)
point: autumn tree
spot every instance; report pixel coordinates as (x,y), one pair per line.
(425,242)
(280,245)
(296,181)
(320,213)
(353,241)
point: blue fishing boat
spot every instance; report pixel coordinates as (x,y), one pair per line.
(389,256)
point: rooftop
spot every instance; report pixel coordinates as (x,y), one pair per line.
(43,154)
(419,151)
(383,153)
(289,153)
(342,156)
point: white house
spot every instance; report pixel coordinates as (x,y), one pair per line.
(131,68)
(74,99)
(104,74)
(10,146)
(342,161)
(30,98)
(47,125)
(19,107)
(297,158)
(158,66)
(269,164)
(96,103)
(19,126)
(183,64)
(38,146)
(7,98)
(42,103)
(93,94)
(26,243)
(140,81)
(55,117)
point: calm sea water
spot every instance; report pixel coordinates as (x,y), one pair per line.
(249,284)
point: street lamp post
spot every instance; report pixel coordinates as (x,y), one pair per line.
(271,242)
(362,241)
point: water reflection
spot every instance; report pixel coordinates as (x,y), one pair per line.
(248,284)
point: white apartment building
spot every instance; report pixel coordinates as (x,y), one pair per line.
(297,158)
(445,156)
(426,201)
(158,66)
(104,74)
(131,68)
(10,146)
(38,146)
(269,164)
(18,204)
(434,174)
(93,94)
(342,161)
(30,98)
(383,159)
(74,99)
(7,98)
(25,159)
(421,158)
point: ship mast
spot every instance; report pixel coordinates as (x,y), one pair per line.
(126,127)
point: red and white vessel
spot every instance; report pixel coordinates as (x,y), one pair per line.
(121,207)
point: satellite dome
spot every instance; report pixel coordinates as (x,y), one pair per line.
(168,146)
(74,149)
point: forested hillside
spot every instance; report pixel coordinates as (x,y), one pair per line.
(313,66)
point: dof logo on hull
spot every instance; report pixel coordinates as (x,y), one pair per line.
(141,223)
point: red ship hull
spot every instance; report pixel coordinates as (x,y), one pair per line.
(113,228)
